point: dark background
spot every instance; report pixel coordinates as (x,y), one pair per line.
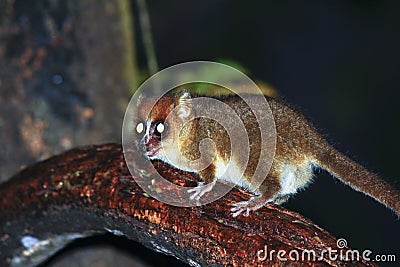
(336,61)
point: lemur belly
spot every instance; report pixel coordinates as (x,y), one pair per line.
(232,173)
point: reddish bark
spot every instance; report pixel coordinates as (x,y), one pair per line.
(90,190)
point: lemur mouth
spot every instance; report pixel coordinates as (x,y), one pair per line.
(152,152)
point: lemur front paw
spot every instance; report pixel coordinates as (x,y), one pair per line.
(254,203)
(200,190)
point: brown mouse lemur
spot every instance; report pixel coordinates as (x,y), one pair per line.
(299,149)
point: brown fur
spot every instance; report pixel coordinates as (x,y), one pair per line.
(298,145)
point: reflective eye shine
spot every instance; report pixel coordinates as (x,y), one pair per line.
(140,127)
(160,127)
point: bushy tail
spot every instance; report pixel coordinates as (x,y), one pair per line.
(357,177)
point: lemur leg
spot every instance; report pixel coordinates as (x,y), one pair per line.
(209,180)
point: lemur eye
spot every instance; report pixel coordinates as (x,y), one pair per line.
(160,128)
(140,127)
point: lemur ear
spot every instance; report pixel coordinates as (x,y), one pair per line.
(183,101)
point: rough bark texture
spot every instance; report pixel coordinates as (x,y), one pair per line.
(66,70)
(89,190)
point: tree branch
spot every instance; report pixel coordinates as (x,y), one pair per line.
(89,190)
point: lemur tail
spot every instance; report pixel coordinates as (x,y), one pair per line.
(359,178)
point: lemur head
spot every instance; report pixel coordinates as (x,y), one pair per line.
(163,129)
